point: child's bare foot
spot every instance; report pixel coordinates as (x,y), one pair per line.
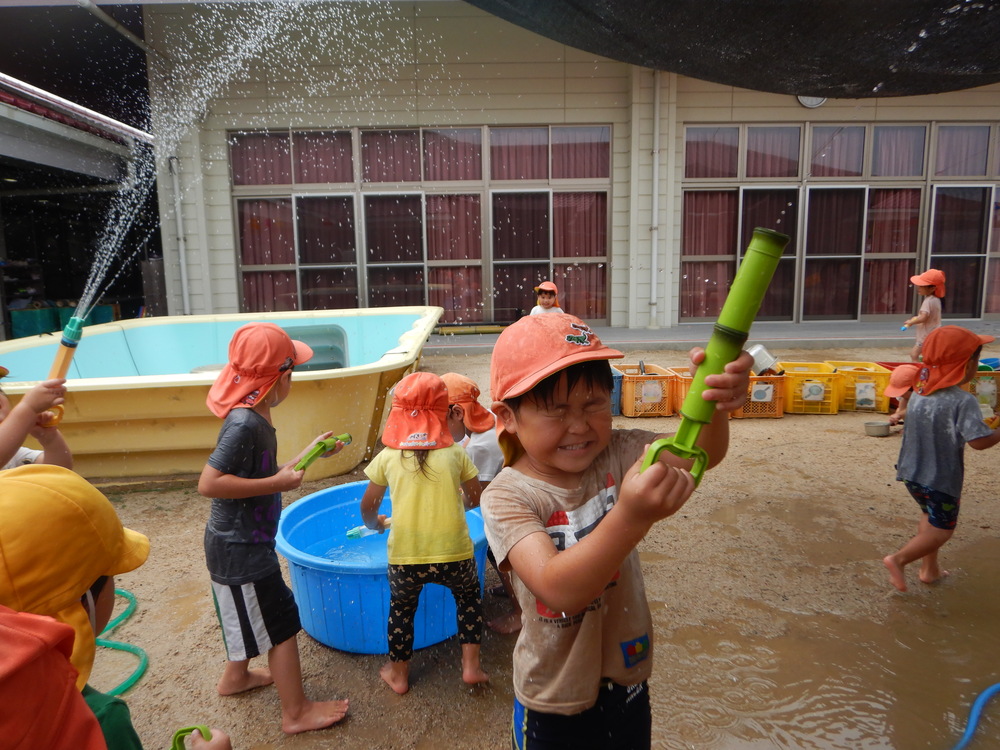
(314,715)
(508,623)
(474,675)
(895,572)
(396,675)
(933,576)
(248,680)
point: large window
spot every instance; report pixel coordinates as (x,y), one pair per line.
(470,219)
(862,207)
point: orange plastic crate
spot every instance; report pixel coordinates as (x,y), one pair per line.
(648,394)
(765,398)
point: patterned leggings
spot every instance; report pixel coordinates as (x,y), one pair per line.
(405,584)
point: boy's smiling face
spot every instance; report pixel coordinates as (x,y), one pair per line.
(561,437)
(546,299)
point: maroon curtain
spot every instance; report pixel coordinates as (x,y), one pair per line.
(773,151)
(893,220)
(709,228)
(962,150)
(393,227)
(711,152)
(390,155)
(837,151)
(519,153)
(898,151)
(260,159)
(836,221)
(322,157)
(887,288)
(266,236)
(960,215)
(329,288)
(453,154)
(513,289)
(583,289)
(326,229)
(399,285)
(269,291)
(579,225)
(454,227)
(830,288)
(581,152)
(459,291)
(521,225)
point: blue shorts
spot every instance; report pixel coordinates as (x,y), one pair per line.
(620,720)
(256,616)
(941,509)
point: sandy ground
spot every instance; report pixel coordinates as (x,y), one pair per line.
(764,542)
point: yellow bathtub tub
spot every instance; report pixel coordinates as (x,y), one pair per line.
(136,391)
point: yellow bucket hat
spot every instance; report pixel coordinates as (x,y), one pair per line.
(59,534)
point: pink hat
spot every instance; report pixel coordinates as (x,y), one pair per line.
(258,354)
(464,391)
(930,277)
(946,353)
(419,413)
(531,350)
(901,380)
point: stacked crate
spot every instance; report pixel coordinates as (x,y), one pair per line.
(863,386)
(811,387)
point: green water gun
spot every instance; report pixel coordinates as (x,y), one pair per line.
(180,734)
(321,447)
(730,333)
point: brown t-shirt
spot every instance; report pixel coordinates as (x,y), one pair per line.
(561,657)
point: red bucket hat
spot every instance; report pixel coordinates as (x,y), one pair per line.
(946,351)
(531,350)
(417,418)
(464,391)
(258,354)
(930,277)
(902,379)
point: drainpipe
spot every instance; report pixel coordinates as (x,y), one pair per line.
(654,229)
(106,19)
(175,175)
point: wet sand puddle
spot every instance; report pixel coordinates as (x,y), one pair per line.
(886,671)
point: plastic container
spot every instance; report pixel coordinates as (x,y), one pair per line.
(811,387)
(763,360)
(647,394)
(863,386)
(616,392)
(992,362)
(340,584)
(984,387)
(765,398)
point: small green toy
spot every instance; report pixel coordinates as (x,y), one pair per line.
(323,446)
(729,335)
(180,734)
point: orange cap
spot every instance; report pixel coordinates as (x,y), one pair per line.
(419,413)
(547,286)
(258,354)
(930,277)
(464,391)
(946,352)
(532,349)
(902,379)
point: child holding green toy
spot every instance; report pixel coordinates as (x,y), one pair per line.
(30,417)
(256,609)
(565,516)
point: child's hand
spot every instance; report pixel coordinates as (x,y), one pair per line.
(729,388)
(44,396)
(658,492)
(336,449)
(288,478)
(220,741)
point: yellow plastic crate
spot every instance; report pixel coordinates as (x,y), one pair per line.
(765,398)
(811,387)
(862,386)
(648,394)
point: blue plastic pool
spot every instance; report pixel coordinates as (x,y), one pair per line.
(340,584)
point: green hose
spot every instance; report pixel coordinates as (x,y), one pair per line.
(118,646)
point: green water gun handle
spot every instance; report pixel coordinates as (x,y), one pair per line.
(180,734)
(321,447)
(728,336)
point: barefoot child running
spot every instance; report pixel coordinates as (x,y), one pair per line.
(930,286)
(565,516)
(429,543)
(256,608)
(940,419)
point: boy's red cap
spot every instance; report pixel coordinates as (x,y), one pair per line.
(464,391)
(531,350)
(946,352)
(547,286)
(901,380)
(930,277)
(258,354)
(419,413)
